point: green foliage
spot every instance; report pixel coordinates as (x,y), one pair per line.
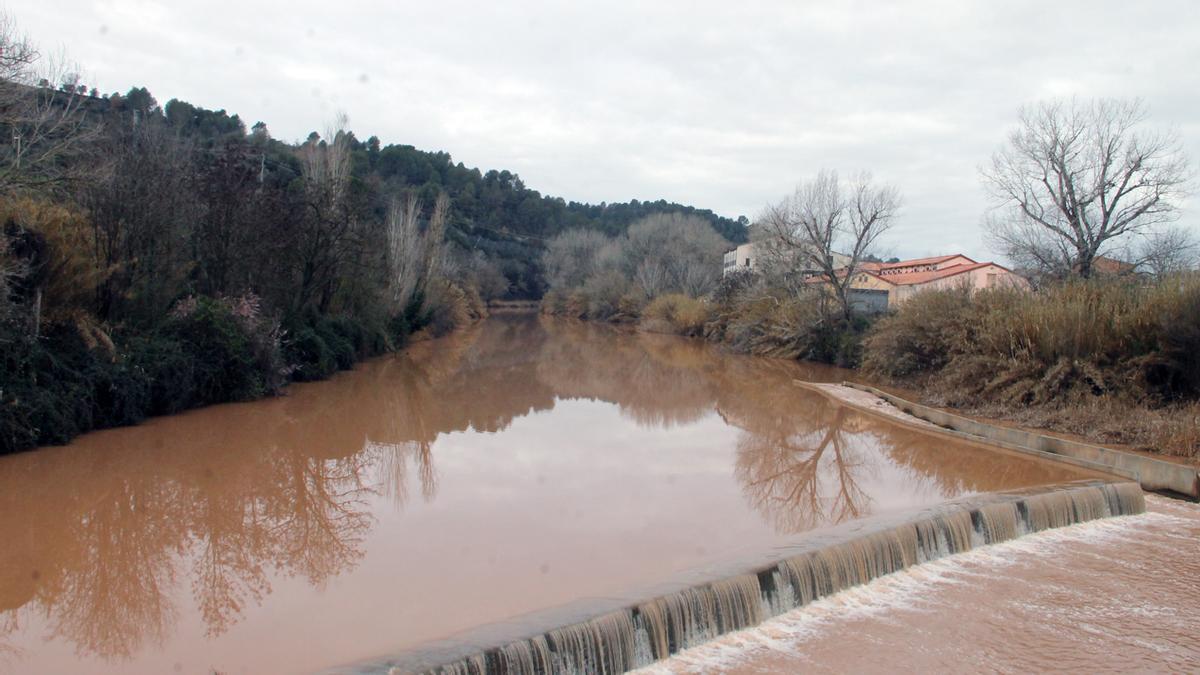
(43,399)
(309,355)
(169,367)
(338,337)
(224,363)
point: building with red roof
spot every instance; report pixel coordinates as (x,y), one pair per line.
(901,280)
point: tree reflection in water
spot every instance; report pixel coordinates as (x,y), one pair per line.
(804,477)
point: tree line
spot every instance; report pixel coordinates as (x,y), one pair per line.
(155,257)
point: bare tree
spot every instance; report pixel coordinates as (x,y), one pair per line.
(1076,178)
(141,212)
(826,228)
(329,226)
(42,124)
(672,253)
(12,269)
(1165,251)
(572,257)
(413,254)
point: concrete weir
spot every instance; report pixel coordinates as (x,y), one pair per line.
(618,634)
(1152,474)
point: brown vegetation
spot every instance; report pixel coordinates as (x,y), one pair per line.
(675,313)
(1113,360)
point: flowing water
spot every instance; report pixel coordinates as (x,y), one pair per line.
(1115,595)
(523,465)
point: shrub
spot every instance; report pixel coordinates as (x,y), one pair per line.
(169,368)
(339,340)
(1059,346)
(604,292)
(42,399)
(930,329)
(552,302)
(451,306)
(676,313)
(309,356)
(630,306)
(575,304)
(121,391)
(226,367)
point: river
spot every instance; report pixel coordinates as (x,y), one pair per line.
(520,465)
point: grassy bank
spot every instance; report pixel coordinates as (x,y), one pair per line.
(1113,360)
(742,312)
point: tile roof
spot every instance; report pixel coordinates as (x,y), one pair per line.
(923,261)
(916,278)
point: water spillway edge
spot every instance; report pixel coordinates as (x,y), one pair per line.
(635,634)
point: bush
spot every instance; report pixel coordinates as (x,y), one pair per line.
(309,356)
(930,329)
(575,304)
(1062,345)
(451,306)
(338,337)
(42,398)
(121,392)
(169,368)
(552,303)
(226,367)
(604,292)
(676,313)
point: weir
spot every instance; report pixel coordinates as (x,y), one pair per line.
(639,633)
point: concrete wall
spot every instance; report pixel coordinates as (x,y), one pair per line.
(1153,474)
(991,276)
(742,256)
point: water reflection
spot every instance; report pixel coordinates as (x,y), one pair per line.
(804,478)
(105,541)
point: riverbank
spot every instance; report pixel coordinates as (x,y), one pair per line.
(81,377)
(1111,361)
(1155,474)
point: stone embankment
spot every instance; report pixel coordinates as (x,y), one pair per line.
(1153,474)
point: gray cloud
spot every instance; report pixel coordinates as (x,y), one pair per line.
(722,105)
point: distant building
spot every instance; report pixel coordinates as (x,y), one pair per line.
(1103,265)
(746,257)
(742,256)
(879,286)
(916,265)
(902,280)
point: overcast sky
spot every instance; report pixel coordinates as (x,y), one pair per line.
(721,105)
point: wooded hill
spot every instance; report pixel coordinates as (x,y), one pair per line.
(491,212)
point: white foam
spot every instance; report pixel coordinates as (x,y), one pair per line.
(911,589)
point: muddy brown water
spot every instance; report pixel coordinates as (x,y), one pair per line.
(524,464)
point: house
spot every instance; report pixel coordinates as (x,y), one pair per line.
(742,256)
(1103,265)
(902,280)
(917,265)
(749,256)
(879,286)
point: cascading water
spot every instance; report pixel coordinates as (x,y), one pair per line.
(639,635)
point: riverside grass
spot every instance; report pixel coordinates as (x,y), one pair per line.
(1110,359)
